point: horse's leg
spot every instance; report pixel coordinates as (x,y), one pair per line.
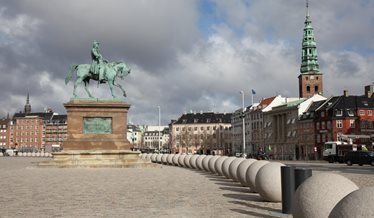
(123,91)
(77,82)
(86,88)
(110,83)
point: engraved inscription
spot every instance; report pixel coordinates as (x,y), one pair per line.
(97,125)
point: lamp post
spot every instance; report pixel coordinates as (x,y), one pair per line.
(159,127)
(243,118)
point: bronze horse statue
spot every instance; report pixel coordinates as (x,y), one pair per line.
(111,71)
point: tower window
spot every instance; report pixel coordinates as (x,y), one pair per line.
(316,77)
(315,89)
(308,89)
(306,78)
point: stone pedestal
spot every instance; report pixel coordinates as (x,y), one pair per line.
(96,125)
(96,136)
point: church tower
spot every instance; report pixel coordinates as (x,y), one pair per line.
(310,78)
(27,108)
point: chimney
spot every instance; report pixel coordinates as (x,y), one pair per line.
(369,90)
(345,93)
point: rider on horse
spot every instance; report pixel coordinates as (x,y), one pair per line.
(97,66)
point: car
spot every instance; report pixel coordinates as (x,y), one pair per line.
(359,157)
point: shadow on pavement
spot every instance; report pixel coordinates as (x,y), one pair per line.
(252,213)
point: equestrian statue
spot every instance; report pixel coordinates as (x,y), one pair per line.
(100,70)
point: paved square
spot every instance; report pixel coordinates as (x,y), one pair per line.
(157,192)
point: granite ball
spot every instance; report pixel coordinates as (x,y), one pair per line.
(175,160)
(206,162)
(218,165)
(268,182)
(164,159)
(148,156)
(318,195)
(211,164)
(159,158)
(153,157)
(358,204)
(170,159)
(252,172)
(193,161)
(233,168)
(181,160)
(226,165)
(199,162)
(187,161)
(242,171)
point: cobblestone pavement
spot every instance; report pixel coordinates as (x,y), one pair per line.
(169,191)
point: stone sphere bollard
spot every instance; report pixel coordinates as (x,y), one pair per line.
(33,154)
(20,154)
(170,159)
(242,171)
(252,172)
(175,160)
(142,156)
(153,157)
(164,159)
(211,164)
(358,204)
(148,156)
(28,154)
(218,165)
(317,196)
(206,162)
(199,162)
(181,160)
(37,154)
(193,161)
(226,165)
(187,161)
(233,168)
(1,154)
(268,182)
(158,158)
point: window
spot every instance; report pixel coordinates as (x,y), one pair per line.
(369,113)
(350,113)
(362,113)
(202,128)
(195,128)
(339,112)
(317,125)
(308,89)
(322,114)
(352,123)
(315,88)
(339,124)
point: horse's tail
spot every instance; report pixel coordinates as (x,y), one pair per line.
(70,73)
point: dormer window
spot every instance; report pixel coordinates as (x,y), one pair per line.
(339,113)
(350,113)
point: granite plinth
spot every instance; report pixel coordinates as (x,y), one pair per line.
(97,159)
(80,110)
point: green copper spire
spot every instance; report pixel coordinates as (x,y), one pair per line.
(309,56)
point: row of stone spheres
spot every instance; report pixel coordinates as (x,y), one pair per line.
(322,195)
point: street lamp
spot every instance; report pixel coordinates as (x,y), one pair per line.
(243,118)
(159,124)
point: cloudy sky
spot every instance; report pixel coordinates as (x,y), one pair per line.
(185,55)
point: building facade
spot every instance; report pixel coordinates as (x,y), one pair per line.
(4,133)
(204,133)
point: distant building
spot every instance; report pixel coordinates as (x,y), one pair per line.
(4,133)
(343,117)
(154,140)
(35,131)
(134,135)
(204,133)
